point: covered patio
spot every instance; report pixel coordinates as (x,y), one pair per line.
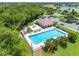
(35,28)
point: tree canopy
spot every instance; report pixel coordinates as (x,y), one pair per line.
(13,17)
(17,15)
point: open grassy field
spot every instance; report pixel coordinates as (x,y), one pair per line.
(71,50)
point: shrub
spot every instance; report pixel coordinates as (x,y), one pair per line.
(62,41)
(56,24)
(50,45)
(72,37)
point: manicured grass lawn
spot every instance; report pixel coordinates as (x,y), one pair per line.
(71,50)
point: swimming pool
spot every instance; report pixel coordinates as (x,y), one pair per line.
(43,36)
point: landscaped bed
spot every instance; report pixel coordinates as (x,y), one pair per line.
(71,50)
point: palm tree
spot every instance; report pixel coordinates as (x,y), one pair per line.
(63,41)
(50,45)
(72,37)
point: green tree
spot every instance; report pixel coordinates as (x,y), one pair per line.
(72,37)
(17,15)
(50,45)
(56,24)
(63,41)
(11,43)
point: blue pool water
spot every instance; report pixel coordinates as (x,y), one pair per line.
(43,36)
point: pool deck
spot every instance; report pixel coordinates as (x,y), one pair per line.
(38,46)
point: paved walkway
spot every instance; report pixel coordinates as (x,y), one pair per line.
(38,52)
